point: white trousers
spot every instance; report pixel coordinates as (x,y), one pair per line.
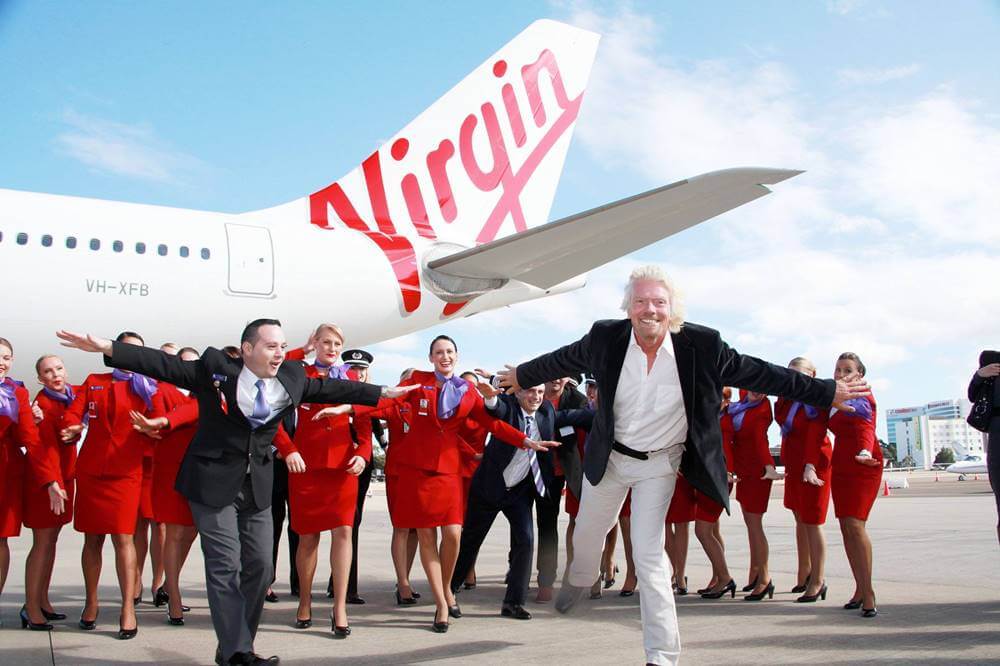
(652,483)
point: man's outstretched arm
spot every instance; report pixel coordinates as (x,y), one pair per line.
(144,360)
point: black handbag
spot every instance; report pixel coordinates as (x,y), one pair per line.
(982,409)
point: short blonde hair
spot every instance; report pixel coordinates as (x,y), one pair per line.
(803,363)
(654,273)
(333,328)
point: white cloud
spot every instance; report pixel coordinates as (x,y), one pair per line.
(875,75)
(123,149)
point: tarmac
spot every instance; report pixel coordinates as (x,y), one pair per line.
(936,577)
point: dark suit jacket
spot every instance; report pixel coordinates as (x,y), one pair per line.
(488,479)
(568,454)
(216,461)
(705,364)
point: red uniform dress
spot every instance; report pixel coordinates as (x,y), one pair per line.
(473,444)
(181,411)
(688,503)
(855,486)
(16,433)
(109,467)
(398,417)
(805,443)
(428,486)
(751,454)
(61,456)
(325,495)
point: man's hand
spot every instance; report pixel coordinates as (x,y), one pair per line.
(37,412)
(356,466)
(87,343)
(147,426)
(398,391)
(991,370)
(69,433)
(809,476)
(331,412)
(57,498)
(537,445)
(771,474)
(484,387)
(508,378)
(295,463)
(852,386)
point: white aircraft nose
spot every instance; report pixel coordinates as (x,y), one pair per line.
(953,468)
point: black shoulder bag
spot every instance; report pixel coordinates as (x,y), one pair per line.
(982,409)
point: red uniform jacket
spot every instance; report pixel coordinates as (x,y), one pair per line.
(807,443)
(61,455)
(181,412)
(434,444)
(112,447)
(23,433)
(474,443)
(854,432)
(750,445)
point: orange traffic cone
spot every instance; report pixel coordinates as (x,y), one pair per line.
(885,488)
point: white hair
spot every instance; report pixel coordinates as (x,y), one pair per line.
(654,273)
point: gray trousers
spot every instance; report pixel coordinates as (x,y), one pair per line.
(236,542)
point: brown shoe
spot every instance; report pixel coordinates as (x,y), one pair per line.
(544,595)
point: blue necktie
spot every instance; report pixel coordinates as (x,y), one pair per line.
(261,410)
(536,471)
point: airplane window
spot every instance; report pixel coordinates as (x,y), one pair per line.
(205,254)
(71,242)
(95,244)
(183,251)
(22,238)
(117,246)
(140,248)
(161,250)
(46,240)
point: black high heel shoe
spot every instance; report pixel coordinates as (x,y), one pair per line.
(303,624)
(175,621)
(729,587)
(88,625)
(705,589)
(470,586)
(455,611)
(869,612)
(405,601)
(52,615)
(440,627)
(799,589)
(127,634)
(26,622)
(338,632)
(768,591)
(138,597)
(810,598)
(853,604)
(749,587)
(611,581)
(681,590)
(160,597)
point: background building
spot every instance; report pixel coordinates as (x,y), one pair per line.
(921,432)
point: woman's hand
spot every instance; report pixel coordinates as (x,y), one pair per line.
(148,426)
(809,476)
(37,413)
(295,463)
(356,466)
(991,370)
(771,474)
(69,433)
(57,498)
(333,412)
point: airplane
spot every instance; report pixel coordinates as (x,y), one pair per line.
(971,462)
(447,219)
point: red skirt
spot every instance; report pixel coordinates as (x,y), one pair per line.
(426,499)
(106,504)
(752,494)
(810,503)
(321,499)
(38,515)
(146,498)
(169,506)
(11,505)
(684,503)
(854,494)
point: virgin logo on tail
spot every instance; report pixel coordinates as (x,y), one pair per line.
(498,152)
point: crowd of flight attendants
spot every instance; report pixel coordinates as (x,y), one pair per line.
(103,454)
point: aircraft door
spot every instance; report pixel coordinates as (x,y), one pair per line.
(251,260)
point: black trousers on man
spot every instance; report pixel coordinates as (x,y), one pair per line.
(364,480)
(547,513)
(279,502)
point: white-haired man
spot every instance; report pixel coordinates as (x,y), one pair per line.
(659,385)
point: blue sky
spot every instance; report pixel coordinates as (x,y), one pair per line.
(890,107)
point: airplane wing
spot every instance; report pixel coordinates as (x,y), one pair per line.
(552,253)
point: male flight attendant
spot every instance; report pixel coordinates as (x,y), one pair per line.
(227,470)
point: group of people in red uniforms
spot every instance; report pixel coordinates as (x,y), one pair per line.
(815,470)
(137,431)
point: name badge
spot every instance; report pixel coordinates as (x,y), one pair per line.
(406,427)
(565,430)
(422,410)
(92,410)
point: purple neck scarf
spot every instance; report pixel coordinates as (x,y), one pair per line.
(65,398)
(9,405)
(452,390)
(141,385)
(862,408)
(333,371)
(811,413)
(737,410)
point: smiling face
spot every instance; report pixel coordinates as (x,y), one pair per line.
(444,356)
(649,311)
(263,357)
(531,398)
(52,373)
(6,360)
(328,347)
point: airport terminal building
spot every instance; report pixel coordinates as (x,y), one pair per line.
(921,432)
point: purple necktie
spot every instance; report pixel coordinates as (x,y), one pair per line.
(786,427)
(261,410)
(8,399)
(452,390)
(737,409)
(141,385)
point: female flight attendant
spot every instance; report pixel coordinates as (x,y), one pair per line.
(806,452)
(754,466)
(428,486)
(55,396)
(172,423)
(17,430)
(856,478)
(109,480)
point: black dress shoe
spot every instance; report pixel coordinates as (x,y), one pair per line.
(26,622)
(160,597)
(455,611)
(88,625)
(355,599)
(252,659)
(52,615)
(271,597)
(515,611)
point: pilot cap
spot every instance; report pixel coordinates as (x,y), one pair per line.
(358,357)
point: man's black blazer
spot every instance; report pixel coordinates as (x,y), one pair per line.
(216,460)
(488,479)
(705,365)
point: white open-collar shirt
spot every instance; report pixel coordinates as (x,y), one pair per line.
(246,393)
(649,407)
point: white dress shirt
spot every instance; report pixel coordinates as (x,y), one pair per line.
(649,406)
(519,466)
(246,393)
